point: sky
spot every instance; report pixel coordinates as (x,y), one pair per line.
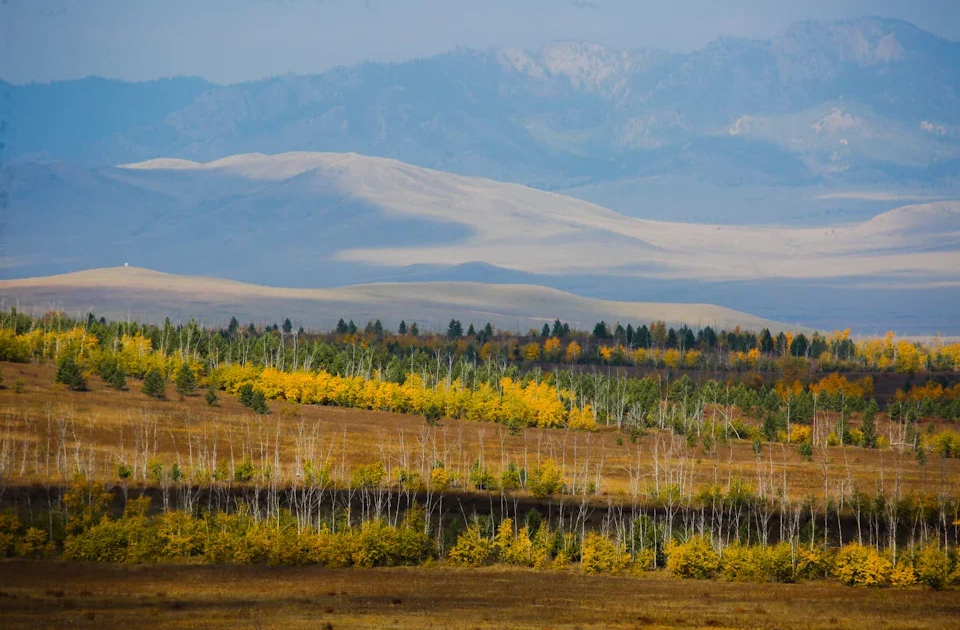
(228,41)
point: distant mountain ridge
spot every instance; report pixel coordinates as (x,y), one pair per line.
(151,296)
(818,100)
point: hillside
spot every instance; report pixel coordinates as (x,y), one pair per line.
(123,292)
(323,220)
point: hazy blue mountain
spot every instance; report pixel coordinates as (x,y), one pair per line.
(866,101)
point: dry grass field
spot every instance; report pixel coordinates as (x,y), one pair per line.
(42,594)
(98,427)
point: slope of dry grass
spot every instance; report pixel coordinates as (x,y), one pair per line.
(98,427)
(54,595)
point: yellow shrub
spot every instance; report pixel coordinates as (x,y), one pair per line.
(800,434)
(903,575)
(473,549)
(811,564)
(582,419)
(932,566)
(601,555)
(856,565)
(695,558)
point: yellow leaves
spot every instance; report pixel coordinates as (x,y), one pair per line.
(440,478)
(672,358)
(606,352)
(692,357)
(551,348)
(582,419)
(488,351)
(531,351)
(574,352)
(857,565)
(834,383)
(908,358)
(788,390)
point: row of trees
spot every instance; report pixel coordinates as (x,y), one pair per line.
(81,528)
(657,344)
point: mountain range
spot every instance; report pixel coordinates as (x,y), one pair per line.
(869,101)
(808,178)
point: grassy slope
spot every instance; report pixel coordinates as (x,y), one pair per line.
(100,417)
(48,595)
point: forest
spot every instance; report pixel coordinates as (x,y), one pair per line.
(730,455)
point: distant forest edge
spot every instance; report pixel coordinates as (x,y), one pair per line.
(547,378)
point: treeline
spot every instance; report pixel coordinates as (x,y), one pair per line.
(81,528)
(360,375)
(656,345)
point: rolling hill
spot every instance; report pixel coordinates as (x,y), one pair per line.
(129,292)
(317,220)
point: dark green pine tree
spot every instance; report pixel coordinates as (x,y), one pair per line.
(154,385)
(455,329)
(545,332)
(186,381)
(70,374)
(401,329)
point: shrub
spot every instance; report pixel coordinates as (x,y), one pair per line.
(34,544)
(743,564)
(473,549)
(856,565)
(695,558)
(211,397)
(903,575)
(932,566)
(545,480)
(244,472)
(599,554)
(9,526)
(811,564)
(70,374)
(19,385)
(154,385)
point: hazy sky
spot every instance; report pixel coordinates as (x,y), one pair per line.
(236,40)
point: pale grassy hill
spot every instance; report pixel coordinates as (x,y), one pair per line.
(122,292)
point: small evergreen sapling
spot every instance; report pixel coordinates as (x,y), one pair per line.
(186,380)
(69,374)
(154,385)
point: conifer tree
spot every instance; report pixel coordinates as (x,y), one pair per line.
(154,385)
(70,374)
(186,380)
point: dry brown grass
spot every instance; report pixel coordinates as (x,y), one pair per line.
(101,419)
(53,595)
